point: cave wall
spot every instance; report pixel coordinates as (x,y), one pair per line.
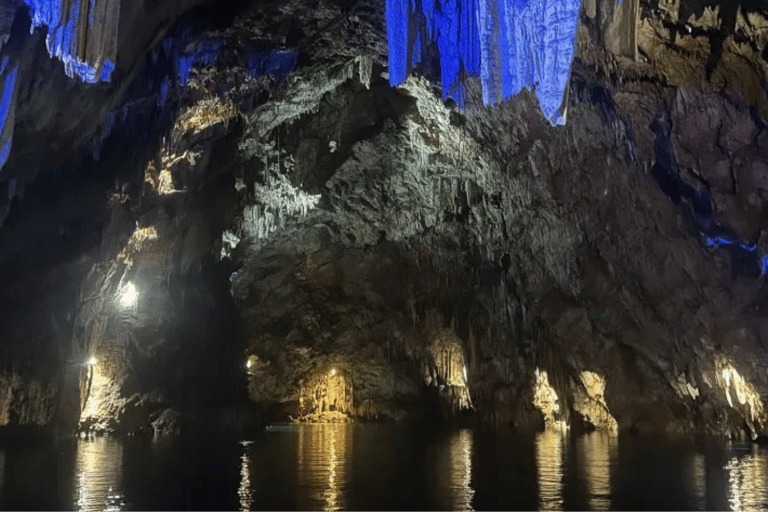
(46,105)
(60,232)
(536,246)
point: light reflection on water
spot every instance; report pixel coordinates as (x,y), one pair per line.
(99,475)
(458,467)
(245,491)
(337,466)
(748,480)
(698,480)
(550,468)
(325,459)
(596,453)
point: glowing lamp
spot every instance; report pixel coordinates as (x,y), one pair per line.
(332,372)
(249,363)
(129,296)
(92,361)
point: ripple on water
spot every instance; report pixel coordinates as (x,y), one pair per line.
(550,468)
(99,475)
(325,459)
(748,480)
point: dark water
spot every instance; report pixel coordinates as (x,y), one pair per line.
(324,467)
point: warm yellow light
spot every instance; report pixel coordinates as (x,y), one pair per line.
(92,361)
(129,296)
(589,401)
(741,395)
(333,372)
(545,399)
(249,363)
(550,455)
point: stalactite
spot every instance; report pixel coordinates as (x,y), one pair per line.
(83,35)
(8,73)
(509,44)
(448,370)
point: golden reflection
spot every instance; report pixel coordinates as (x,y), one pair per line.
(245,491)
(698,480)
(460,492)
(549,461)
(596,451)
(99,474)
(325,458)
(748,481)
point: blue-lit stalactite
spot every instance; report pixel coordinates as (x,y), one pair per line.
(509,44)
(8,72)
(85,44)
(698,209)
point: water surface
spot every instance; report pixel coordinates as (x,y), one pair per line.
(359,467)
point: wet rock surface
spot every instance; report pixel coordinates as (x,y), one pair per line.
(317,246)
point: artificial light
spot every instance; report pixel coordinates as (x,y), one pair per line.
(129,296)
(92,361)
(333,372)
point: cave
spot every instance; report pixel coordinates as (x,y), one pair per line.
(395,254)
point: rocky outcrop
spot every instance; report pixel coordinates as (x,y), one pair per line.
(508,232)
(26,403)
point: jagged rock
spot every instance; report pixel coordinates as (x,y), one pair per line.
(168,423)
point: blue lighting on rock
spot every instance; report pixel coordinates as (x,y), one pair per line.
(275,63)
(721,242)
(184,68)
(165,90)
(7,109)
(64,40)
(509,44)
(697,208)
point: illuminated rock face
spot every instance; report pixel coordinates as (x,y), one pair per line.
(742,396)
(448,370)
(589,402)
(511,45)
(545,399)
(334,222)
(81,33)
(326,396)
